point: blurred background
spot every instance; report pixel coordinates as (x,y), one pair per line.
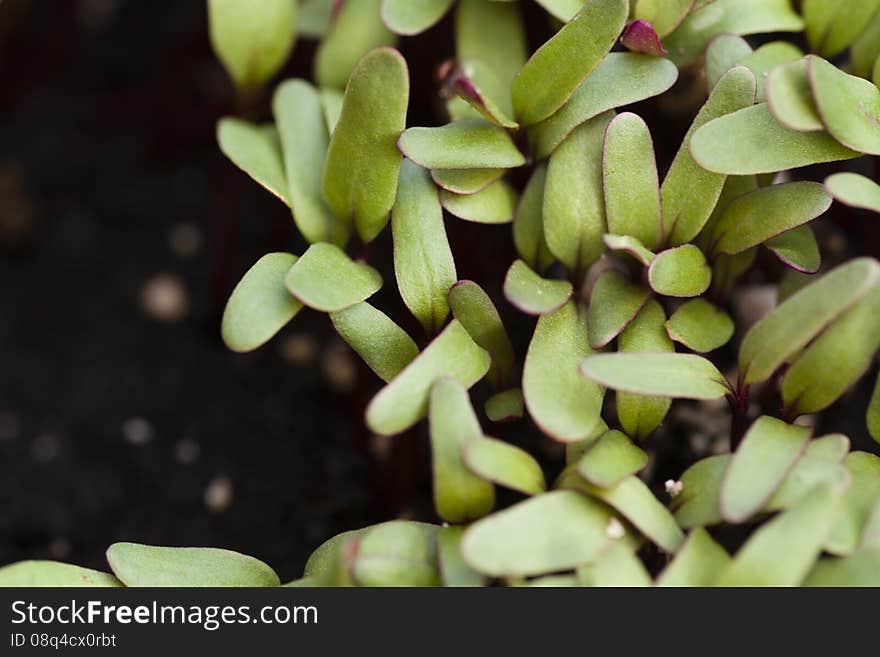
(122,230)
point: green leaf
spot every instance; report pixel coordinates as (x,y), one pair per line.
(326,279)
(453,570)
(256,151)
(751,140)
(809,471)
(797,248)
(396,554)
(681,271)
(614,303)
(850,343)
(766,454)
(363,163)
(635,502)
(792,325)
(464,144)
(408,17)
(697,563)
(148,565)
(729,16)
(260,305)
(616,566)
(664,15)
(299,116)
(465,181)
(313,18)
(758,216)
(53,573)
(532,294)
(790,98)
(474,309)
(620,79)
(700,326)
(383,345)
(404,401)
(504,464)
(768,57)
(689,192)
(563,405)
(574,451)
(871,529)
(547,533)
(528,223)
(611,459)
(551,75)
(493,33)
(782,551)
(862,569)
(356,29)
(640,415)
(854,190)
(849,106)
(722,54)
(459,494)
(858,502)
(698,503)
(832,447)
(494,205)
(683,376)
(629,245)
(866,48)
(632,193)
(831,26)
(505,406)
(873,416)
(252,45)
(574,211)
(423,262)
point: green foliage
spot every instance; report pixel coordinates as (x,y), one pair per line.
(624,282)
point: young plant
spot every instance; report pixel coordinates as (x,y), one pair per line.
(627,277)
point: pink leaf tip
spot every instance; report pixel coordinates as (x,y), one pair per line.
(640,36)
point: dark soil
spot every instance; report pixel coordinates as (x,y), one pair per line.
(117,424)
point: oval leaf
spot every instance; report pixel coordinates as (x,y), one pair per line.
(423,261)
(459,494)
(326,279)
(854,190)
(700,326)
(790,98)
(149,565)
(465,181)
(396,553)
(410,17)
(574,211)
(613,458)
(614,303)
(453,569)
(632,193)
(260,304)
(363,163)
(544,534)
(256,150)
(53,573)
(751,141)
(505,406)
(384,346)
(504,464)
(532,294)
(683,376)
(463,144)
(562,404)
(680,272)
(797,248)
(494,205)
(697,563)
